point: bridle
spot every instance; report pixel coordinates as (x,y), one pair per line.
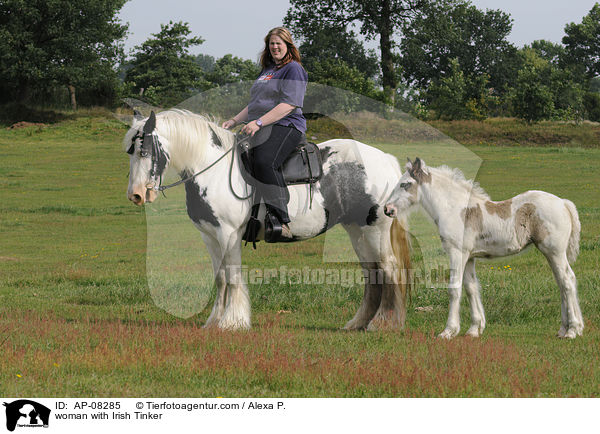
(151,146)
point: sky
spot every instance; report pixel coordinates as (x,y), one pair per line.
(238,26)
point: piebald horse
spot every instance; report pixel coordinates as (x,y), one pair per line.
(487,229)
(352,191)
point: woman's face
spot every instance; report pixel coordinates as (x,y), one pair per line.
(278,48)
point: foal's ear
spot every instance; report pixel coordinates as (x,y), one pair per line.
(150,123)
(419,164)
(409,165)
(418,173)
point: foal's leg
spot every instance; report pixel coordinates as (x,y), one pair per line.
(457,266)
(567,284)
(473,291)
(564,316)
(372,295)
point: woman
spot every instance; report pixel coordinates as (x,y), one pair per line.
(276,98)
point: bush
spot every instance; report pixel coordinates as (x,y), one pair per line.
(544,91)
(591,103)
(457,96)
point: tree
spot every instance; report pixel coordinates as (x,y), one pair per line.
(162,69)
(458,30)
(205,61)
(337,73)
(321,43)
(591,102)
(377,18)
(553,53)
(340,88)
(544,91)
(71,43)
(595,85)
(582,42)
(230,69)
(457,96)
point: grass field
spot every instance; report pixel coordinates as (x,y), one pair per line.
(77,317)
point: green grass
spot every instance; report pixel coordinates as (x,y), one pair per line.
(77,316)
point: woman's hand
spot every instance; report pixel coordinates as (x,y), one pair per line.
(250,128)
(229,124)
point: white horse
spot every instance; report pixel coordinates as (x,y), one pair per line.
(352,191)
(486,229)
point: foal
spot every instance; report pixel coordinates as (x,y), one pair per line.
(486,229)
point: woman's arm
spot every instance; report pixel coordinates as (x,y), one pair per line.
(240,117)
(280,111)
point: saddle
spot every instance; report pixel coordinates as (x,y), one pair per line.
(303,166)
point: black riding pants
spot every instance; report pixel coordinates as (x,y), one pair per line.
(268,158)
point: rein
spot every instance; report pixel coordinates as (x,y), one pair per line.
(181,181)
(162,188)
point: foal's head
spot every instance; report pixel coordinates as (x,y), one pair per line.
(406,193)
(147,160)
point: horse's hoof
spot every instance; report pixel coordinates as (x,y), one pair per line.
(234,325)
(570,334)
(353,325)
(447,334)
(561,332)
(473,332)
(381,322)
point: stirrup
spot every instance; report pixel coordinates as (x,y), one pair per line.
(251,232)
(272,228)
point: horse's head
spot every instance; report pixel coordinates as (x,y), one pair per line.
(147,159)
(406,193)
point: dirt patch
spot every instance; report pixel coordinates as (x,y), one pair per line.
(24,124)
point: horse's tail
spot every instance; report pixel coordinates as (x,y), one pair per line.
(401,248)
(573,247)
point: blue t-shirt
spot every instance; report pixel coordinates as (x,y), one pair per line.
(274,86)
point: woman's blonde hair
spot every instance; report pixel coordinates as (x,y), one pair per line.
(266,59)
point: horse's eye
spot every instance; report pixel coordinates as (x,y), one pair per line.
(405,185)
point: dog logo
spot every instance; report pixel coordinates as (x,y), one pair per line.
(26,413)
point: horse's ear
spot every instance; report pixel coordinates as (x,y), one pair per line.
(409,165)
(150,123)
(137,116)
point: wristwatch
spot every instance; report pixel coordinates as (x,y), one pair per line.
(259,123)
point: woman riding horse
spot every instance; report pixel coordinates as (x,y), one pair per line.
(275,98)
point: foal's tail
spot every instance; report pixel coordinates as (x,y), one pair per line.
(401,248)
(573,247)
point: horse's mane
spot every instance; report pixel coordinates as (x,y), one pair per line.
(192,132)
(456,176)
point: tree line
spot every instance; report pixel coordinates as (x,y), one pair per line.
(436,59)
